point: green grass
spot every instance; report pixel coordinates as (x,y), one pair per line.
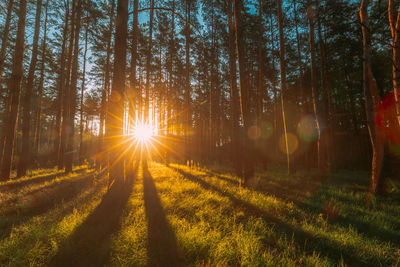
(171,216)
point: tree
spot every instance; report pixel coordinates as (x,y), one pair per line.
(314,93)
(9,126)
(283,79)
(394,22)
(40,87)
(4,39)
(248,168)
(114,124)
(25,156)
(372,101)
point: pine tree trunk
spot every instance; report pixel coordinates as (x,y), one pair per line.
(69,155)
(372,101)
(4,39)
(25,156)
(66,91)
(314,92)
(283,79)
(326,132)
(38,114)
(395,30)
(106,92)
(114,123)
(187,84)
(9,126)
(81,151)
(234,99)
(248,167)
(148,63)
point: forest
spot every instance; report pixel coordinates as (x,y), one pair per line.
(199,133)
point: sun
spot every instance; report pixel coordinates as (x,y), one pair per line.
(143,133)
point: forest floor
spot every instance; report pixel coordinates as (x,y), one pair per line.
(177,216)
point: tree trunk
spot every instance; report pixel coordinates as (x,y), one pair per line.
(69,155)
(314,93)
(114,125)
(25,156)
(148,63)
(326,134)
(395,30)
(187,84)
(82,95)
(283,79)
(234,99)
(4,39)
(248,170)
(66,91)
(372,101)
(9,126)
(40,87)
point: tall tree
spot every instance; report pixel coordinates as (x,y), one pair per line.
(114,125)
(38,110)
(248,167)
(9,126)
(81,149)
(70,125)
(61,92)
(25,156)
(283,79)
(314,93)
(234,94)
(394,22)
(372,101)
(4,39)
(148,64)
(187,82)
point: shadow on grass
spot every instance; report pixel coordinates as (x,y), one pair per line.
(309,242)
(34,180)
(162,246)
(39,202)
(89,244)
(315,206)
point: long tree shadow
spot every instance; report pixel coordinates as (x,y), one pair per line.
(89,245)
(39,202)
(34,180)
(162,246)
(309,242)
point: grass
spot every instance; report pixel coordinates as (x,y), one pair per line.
(172,216)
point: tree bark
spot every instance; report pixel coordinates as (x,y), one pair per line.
(148,63)
(70,126)
(372,101)
(248,167)
(314,93)
(234,99)
(25,156)
(9,126)
(187,84)
(114,124)
(395,30)
(81,148)
(66,94)
(283,79)
(38,114)
(4,39)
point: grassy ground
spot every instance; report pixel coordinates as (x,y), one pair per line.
(171,216)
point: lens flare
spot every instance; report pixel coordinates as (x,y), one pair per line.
(293,143)
(307,128)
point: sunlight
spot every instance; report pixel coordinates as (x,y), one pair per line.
(143,132)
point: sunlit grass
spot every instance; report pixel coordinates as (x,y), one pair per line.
(282,221)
